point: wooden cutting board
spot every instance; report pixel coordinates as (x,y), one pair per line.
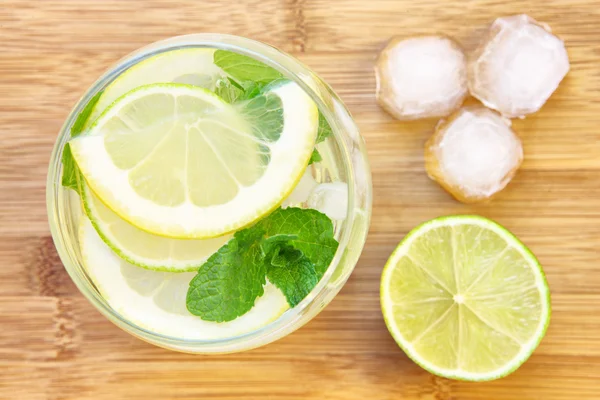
(54,345)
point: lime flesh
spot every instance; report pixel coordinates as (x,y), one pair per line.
(192,66)
(141,248)
(177,161)
(156,300)
(465,299)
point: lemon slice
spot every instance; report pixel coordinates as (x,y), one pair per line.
(465,299)
(144,249)
(177,161)
(193,66)
(155,300)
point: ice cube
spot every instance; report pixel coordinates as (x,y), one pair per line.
(302,190)
(517,66)
(422,77)
(473,154)
(331,199)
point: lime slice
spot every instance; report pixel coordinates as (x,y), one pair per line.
(144,249)
(193,66)
(156,300)
(465,299)
(175,160)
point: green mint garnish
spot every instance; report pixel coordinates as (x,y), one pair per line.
(260,107)
(323,133)
(324,129)
(232,92)
(292,247)
(228,90)
(247,79)
(251,90)
(265,114)
(293,273)
(243,68)
(228,284)
(69,177)
(313,233)
(315,157)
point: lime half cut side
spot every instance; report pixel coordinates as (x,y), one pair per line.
(465,299)
(144,249)
(177,161)
(156,300)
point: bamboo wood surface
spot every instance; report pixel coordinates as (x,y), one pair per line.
(55,345)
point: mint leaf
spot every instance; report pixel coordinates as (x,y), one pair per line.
(263,111)
(228,284)
(313,231)
(324,129)
(265,115)
(293,273)
(77,128)
(228,91)
(323,133)
(292,247)
(233,92)
(251,90)
(272,244)
(244,68)
(315,157)
(248,71)
(69,175)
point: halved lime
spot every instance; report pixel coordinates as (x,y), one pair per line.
(157,300)
(465,299)
(193,66)
(144,249)
(177,161)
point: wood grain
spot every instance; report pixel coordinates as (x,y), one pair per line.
(55,345)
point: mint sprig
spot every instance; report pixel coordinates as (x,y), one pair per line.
(312,233)
(265,115)
(263,110)
(315,157)
(324,129)
(247,78)
(69,176)
(228,284)
(323,133)
(292,247)
(232,92)
(228,90)
(244,68)
(293,273)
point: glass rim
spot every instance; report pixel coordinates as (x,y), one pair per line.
(287,321)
